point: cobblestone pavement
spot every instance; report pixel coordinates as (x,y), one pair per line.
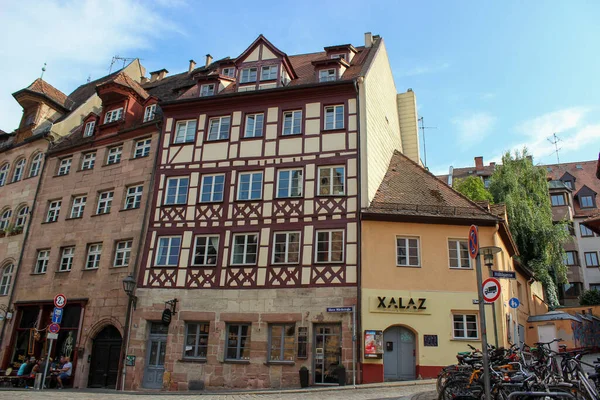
(422,392)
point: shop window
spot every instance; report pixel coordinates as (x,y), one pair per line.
(238,342)
(281,342)
(196,340)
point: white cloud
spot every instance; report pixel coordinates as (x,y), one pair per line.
(425,69)
(553,122)
(473,128)
(75,38)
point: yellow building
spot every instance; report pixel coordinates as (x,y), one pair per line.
(418,285)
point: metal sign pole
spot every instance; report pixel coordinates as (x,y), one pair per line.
(495,324)
(354,345)
(486,370)
(47,362)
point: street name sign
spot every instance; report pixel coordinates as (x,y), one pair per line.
(504,274)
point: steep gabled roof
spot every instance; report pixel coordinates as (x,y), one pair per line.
(42,88)
(124,80)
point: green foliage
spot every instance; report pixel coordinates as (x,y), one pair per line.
(590,298)
(524,189)
(473,188)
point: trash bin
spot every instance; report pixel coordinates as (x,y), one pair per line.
(341,375)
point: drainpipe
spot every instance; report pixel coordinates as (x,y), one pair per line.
(357,83)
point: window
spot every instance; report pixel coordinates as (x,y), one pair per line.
(331,181)
(219,128)
(93,256)
(334,117)
(591,259)
(65,166)
(114,155)
(327,75)
(6,279)
(250,186)
(207,90)
(88,161)
(238,342)
(19,168)
(465,326)
(122,253)
(585,231)
(36,165)
(196,340)
(89,129)
(167,253)
(206,249)
(568,184)
(292,123)
(330,246)
(212,188)
(230,72)
(486,182)
(458,251)
(150,113)
(245,249)
(254,125)
(289,183)
(268,73)
(407,252)
(585,201)
(595,286)
(133,198)
(570,258)
(41,264)
(22,217)
(105,202)
(177,190)
(66,259)
(572,289)
(557,200)
(248,75)
(342,56)
(185,131)
(113,115)
(281,342)
(3,174)
(142,148)
(5,219)
(286,248)
(53,211)
(78,206)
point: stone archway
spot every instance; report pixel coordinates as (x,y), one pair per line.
(104,363)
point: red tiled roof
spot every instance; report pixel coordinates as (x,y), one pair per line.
(124,80)
(585,175)
(45,89)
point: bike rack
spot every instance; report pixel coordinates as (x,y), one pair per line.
(515,395)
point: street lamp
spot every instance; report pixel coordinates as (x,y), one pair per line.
(488,260)
(129,284)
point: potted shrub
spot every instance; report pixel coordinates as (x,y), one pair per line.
(303,377)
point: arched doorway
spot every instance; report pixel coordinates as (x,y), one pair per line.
(399,354)
(106,351)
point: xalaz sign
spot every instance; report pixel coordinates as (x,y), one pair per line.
(399,304)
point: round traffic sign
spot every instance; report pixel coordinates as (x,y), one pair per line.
(473,242)
(491,289)
(514,303)
(60,300)
(54,328)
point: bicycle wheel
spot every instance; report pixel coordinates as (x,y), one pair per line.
(456,389)
(447,375)
(573,390)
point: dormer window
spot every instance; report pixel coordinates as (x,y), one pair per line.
(113,115)
(341,55)
(248,75)
(268,73)
(228,72)
(586,201)
(150,112)
(207,90)
(568,184)
(89,129)
(327,75)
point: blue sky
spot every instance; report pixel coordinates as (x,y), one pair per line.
(490,76)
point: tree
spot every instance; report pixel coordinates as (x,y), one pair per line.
(473,188)
(590,298)
(524,189)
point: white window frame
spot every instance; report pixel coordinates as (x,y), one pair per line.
(246,75)
(133,195)
(245,254)
(5,219)
(6,279)
(170,251)
(250,129)
(94,253)
(331,186)
(66,259)
(19,170)
(294,115)
(4,174)
(229,71)
(204,252)
(208,89)
(88,161)
(142,148)
(591,253)
(179,188)
(53,210)
(114,155)
(219,123)
(336,123)
(186,137)
(64,166)
(150,112)
(89,129)
(212,193)
(41,262)
(253,179)
(289,185)
(268,69)
(122,253)
(325,75)
(286,252)
(465,330)
(113,115)
(105,202)
(460,260)
(36,165)
(329,242)
(22,215)
(407,248)
(78,206)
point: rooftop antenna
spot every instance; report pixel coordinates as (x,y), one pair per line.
(555,139)
(43,70)
(422,127)
(119,58)
(89,79)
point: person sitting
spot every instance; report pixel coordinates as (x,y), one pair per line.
(64,372)
(29,367)
(21,370)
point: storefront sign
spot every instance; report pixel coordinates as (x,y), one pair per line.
(416,305)
(166,317)
(373,344)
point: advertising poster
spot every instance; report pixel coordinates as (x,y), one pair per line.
(373,344)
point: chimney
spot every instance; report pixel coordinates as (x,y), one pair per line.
(158,75)
(493,164)
(208,60)
(368,39)
(143,80)
(192,65)
(478,163)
